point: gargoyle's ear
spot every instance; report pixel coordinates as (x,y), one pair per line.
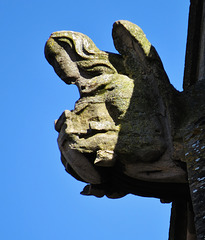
(130,41)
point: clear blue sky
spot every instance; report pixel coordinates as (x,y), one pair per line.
(39,200)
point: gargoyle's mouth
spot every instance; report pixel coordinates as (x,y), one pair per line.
(80,164)
(75,162)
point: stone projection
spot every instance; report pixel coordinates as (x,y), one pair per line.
(127,120)
(131,131)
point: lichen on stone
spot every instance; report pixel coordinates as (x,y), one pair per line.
(125,122)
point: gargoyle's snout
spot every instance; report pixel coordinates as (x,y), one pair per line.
(60,60)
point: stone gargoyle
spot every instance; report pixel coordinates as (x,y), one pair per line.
(124,134)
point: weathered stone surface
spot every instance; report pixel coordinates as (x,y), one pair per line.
(195,158)
(125,124)
(194,132)
(131,131)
